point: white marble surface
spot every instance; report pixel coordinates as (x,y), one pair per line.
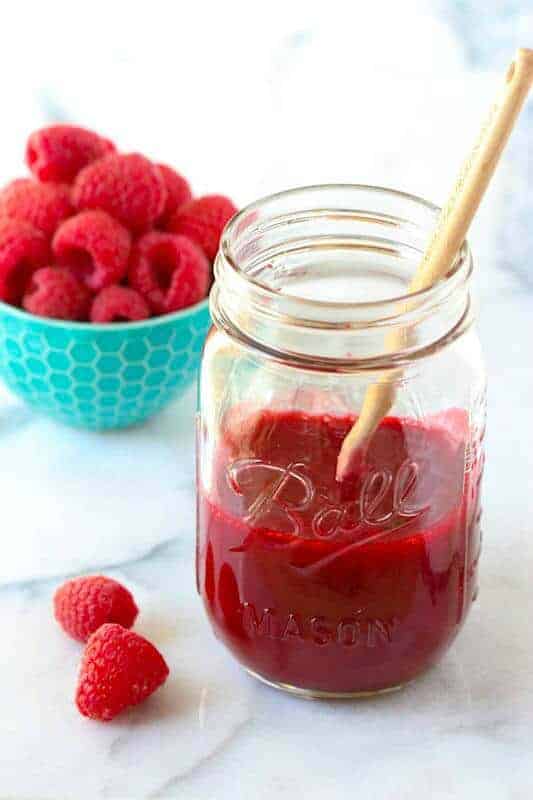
(313,98)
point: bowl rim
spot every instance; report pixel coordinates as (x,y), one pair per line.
(98,327)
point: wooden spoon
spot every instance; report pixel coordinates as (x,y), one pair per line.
(450,232)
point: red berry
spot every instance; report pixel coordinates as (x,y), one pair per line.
(203,221)
(178,192)
(170,271)
(82,605)
(56,292)
(119,304)
(95,247)
(58,152)
(44,205)
(23,249)
(119,669)
(129,187)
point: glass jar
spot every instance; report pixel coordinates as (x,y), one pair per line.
(320,587)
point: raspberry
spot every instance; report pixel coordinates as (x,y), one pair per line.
(55,292)
(129,187)
(203,221)
(178,192)
(170,271)
(119,669)
(23,249)
(44,205)
(82,605)
(95,247)
(58,152)
(119,304)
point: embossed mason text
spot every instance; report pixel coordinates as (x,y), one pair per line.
(353,631)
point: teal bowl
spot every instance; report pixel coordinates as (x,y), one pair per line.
(101,376)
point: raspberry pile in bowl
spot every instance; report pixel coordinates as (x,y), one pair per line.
(102,236)
(94,238)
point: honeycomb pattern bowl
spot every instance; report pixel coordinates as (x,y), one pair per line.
(101,376)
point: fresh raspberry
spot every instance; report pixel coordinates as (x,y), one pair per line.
(178,192)
(119,304)
(23,249)
(129,187)
(170,271)
(203,221)
(58,152)
(95,247)
(82,605)
(44,205)
(56,292)
(119,669)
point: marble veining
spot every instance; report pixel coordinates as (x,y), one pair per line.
(123,502)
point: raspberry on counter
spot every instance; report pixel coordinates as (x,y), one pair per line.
(55,292)
(202,220)
(58,152)
(95,247)
(119,669)
(170,271)
(119,304)
(23,249)
(44,205)
(82,605)
(129,187)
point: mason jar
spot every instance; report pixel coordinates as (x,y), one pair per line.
(319,586)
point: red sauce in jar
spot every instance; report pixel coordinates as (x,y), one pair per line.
(341,588)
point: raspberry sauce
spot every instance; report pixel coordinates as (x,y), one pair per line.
(339,588)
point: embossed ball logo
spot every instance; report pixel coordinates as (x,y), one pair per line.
(383,500)
(272,485)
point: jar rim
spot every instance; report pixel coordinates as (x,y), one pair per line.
(462,263)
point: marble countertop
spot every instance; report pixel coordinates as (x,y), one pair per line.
(123,502)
